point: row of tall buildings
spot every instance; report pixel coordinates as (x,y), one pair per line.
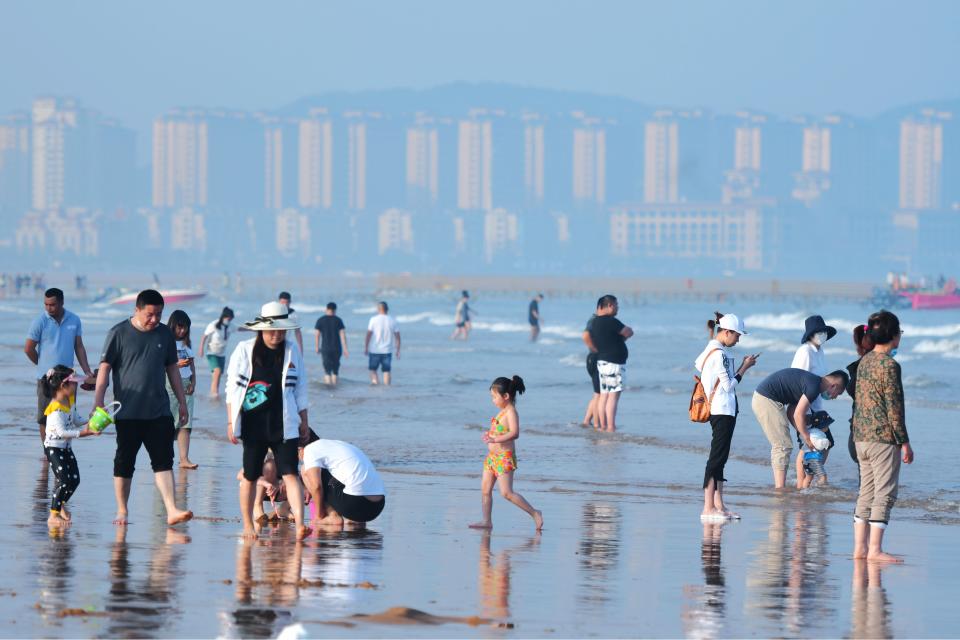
(702,183)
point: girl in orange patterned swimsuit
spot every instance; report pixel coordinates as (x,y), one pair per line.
(501,460)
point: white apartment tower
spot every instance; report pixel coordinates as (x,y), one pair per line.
(395,231)
(744,179)
(475,163)
(15,162)
(180,160)
(273,164)
(589,163)
(315,155)
(661,155)
(921,160)
(423,161)
(53,122)
(533,159)
(356,162)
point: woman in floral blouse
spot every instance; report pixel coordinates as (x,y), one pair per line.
(880,435)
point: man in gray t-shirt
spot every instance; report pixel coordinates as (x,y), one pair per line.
(140,353)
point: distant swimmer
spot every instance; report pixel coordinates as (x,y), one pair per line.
(533,317)
(501,460)
(783,400)
(383,339)
(267,408)
(461,319)
(345,486)
(720,380)
(331,343)
(141,353)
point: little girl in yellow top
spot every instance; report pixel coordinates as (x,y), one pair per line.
(501,461)
(60,385)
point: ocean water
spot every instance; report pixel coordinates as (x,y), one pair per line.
(622,535)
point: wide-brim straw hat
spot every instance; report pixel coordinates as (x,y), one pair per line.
(274,316)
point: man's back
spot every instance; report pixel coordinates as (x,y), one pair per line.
(329,327)
(381,327)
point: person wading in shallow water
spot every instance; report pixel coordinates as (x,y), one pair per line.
(141,352)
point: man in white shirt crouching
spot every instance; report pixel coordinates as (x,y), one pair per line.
(343,483)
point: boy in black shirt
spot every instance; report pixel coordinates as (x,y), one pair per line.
(334,343)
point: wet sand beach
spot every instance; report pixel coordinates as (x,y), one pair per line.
(622,553)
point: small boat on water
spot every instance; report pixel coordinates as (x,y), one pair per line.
(169,296)
(946,298)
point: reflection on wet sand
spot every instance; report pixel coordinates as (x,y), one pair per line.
(705,614)
(494,577)
(150,602)
(267,590)
(870,608)
(599,549)
(787,581)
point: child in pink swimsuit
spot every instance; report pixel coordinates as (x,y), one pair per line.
(501,460)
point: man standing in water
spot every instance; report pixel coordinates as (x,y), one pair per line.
(461,319)
(334,342)
(609,337)
(53,339)
(140,352)
(533,317)
(382,335)
(284,298)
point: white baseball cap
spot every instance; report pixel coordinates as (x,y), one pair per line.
(733,323)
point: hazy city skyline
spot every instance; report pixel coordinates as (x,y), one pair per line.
(807,57)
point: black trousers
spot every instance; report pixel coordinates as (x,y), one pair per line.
(66,475)
(723,427)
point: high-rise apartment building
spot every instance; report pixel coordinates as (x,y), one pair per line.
(15,163)
(661,154)
(533,160)
(475,162)
(280,138)
(356,161)
(743,180)
(423,162)
(394,232)
(208,159)
(315,153)
(921,160)
(589,162)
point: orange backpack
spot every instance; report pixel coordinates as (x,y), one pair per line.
(699,403)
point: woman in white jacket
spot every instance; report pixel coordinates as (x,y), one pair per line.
(267,408)
(720,382)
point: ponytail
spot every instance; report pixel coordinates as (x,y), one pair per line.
(510,386)
(713,324)
(54,379)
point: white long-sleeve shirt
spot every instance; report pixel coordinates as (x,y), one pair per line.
(715,364)
(812,359)
(62,425)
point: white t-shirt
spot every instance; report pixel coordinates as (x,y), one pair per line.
(811,359)
(383,327)
(347,464)
(183,352)
(217,344)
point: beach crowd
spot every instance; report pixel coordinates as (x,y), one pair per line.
(317,482)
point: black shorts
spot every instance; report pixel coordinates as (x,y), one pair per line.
(156,434)
(356,508)
(592,370)
(331,362)
(284,454)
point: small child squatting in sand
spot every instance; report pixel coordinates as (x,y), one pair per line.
(501,461)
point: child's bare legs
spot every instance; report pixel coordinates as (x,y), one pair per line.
(801,474)
(295,500)
(183,443)
(505,482)
(486,500)
(215,383)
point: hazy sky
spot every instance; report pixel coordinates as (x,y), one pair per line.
(136,59)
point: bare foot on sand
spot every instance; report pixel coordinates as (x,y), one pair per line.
(538,520)
(187,464)
(121,519)
(882,556)
(179,516)
(486,525)
(860,553)
(303,531)
(64,513)
(248,534)
(55,520)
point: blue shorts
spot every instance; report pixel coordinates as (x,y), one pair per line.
(381,360)
(216,362)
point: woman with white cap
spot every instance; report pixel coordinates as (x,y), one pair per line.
(267,408)
(720,379)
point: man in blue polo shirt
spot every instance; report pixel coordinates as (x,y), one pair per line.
(54,337)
